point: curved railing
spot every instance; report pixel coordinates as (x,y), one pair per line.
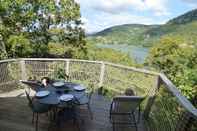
(165,109)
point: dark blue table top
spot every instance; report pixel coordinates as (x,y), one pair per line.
(56,92)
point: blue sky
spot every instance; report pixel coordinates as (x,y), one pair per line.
(100,14)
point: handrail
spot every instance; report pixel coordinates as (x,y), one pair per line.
(169,85)
(181,99)
(8,60)
(99,62)
(60,59)
(134,69)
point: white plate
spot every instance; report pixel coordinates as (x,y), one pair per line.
(42,93)
(58,84)
(79,87)
(66,97)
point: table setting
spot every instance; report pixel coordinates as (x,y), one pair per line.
(59,92)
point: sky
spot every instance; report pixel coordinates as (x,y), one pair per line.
(100,14)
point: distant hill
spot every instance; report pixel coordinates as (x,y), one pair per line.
(127,28)
(146,35)
(185,18)
(122,34)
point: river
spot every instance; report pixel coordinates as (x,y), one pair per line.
(138,53)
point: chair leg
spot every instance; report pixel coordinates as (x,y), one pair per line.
(135,122)
(90,112)
(32,118)
(36,121)
(54,113)
(77,124)
(113,127)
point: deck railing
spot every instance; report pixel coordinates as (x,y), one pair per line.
(165,109)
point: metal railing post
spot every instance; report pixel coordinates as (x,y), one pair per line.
(67,66)
(102,73)
(151,98)
(23,70)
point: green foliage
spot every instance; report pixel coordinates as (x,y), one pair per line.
(187,30)
(56,49)
(66,51)
(110,55)
(60,74)
(40,50)
(177,57)
(185,18)
(19,46)
(3,53)
(40,22)
(124,34)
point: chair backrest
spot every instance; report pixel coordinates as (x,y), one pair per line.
(32,84)
(125,104)
(29,99)
(90,90)
(67,77)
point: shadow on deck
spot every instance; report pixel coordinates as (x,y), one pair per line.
(15,115)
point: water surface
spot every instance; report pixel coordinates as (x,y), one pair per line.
(138,53)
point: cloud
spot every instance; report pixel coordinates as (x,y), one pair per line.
(100,14)
(115,6)
(191,3)
(105,20)
(158,7)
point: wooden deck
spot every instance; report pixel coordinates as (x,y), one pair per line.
(15,115)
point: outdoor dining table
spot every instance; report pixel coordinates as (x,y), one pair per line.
(53,98)
(66,110)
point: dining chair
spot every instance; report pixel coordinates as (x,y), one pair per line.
(67,78)
(34,85)
(123,111)
(46,82)
(68,113)
(37,108)
(86,99)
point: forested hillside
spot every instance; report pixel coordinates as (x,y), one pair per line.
(124,34)
(147,35)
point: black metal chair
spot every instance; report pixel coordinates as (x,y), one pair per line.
(86,99)
(37,108)
(67,78)
(34,85)
(123,110)
(67,112)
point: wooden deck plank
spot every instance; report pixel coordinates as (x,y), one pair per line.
(15,115)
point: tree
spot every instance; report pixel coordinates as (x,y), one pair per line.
(177,58)
(110,55)
(19,46)
(36,20)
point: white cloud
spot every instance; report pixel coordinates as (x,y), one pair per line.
(100,14)
(116,6)
(159,7)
